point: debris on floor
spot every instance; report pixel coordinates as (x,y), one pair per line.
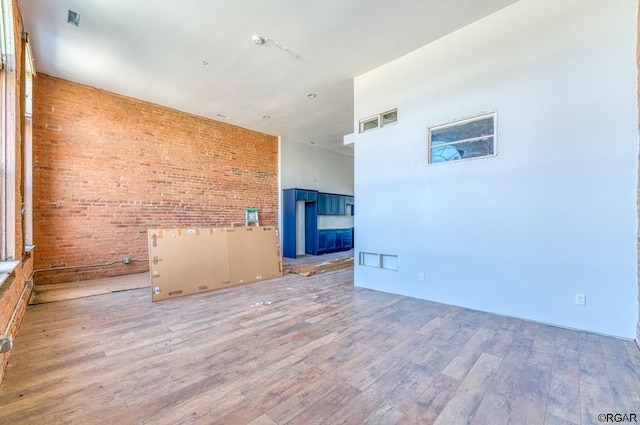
(315,268)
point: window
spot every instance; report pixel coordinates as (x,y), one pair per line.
(462,139)
(27,148)
(369,124)
(389,117)
(380,120)
(9,123)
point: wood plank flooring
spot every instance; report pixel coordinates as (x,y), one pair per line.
(71,290)
(306,350)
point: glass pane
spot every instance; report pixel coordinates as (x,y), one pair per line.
(369,125)
(389,118)
(482,127)
(443,153)
(476,148)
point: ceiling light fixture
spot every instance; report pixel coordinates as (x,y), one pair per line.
(222,116)
(266,117)
(257,39)
(313,143)
(312,95)
(205,63)
(73,18)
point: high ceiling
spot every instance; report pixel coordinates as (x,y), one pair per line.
(198,56)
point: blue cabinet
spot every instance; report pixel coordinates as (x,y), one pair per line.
(322,203)
(306,195)
(289,223)
(341,206)
(330,204)
(333,240)
(289,220)
(315,203)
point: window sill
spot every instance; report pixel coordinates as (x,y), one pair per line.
(6,268)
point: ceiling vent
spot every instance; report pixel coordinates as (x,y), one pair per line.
(73,18)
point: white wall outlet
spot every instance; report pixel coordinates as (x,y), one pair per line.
(421,277)
(581,299)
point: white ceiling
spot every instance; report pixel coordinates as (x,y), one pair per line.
(198,56)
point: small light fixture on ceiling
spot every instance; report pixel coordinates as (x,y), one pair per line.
(313,143)
(222,116)
(205,63)
(266,117)
(257,40)
(312,95)
(73,18)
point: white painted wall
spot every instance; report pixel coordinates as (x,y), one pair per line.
(554,213)
(309,167)
(300,227)
(335,221)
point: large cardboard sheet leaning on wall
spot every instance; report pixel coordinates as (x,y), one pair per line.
(188,261)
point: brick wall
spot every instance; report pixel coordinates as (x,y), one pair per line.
(108,167)
(14,297)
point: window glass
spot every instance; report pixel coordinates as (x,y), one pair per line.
(389,117)
(464,139)
(369,124)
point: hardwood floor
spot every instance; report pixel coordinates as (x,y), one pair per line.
(88,288)
(306,350)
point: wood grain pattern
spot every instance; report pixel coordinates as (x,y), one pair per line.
(72,290)
(306,350)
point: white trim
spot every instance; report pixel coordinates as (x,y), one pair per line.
(364,121)
(378,118)
(29,60)
(10,123)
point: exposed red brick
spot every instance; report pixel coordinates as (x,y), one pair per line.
(13,294)
(109,167)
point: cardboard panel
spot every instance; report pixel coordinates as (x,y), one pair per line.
(187,261)
(254,254)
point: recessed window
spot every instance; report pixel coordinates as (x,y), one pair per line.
(462,139)
(369,124)
(27,150)
(389,117)
(379,120)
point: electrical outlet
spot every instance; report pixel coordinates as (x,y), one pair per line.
(581,299)
(421,277)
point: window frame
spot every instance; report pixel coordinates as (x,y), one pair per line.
(27,148)
(10,123)
(363,122)
(378,119)
(459,122)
